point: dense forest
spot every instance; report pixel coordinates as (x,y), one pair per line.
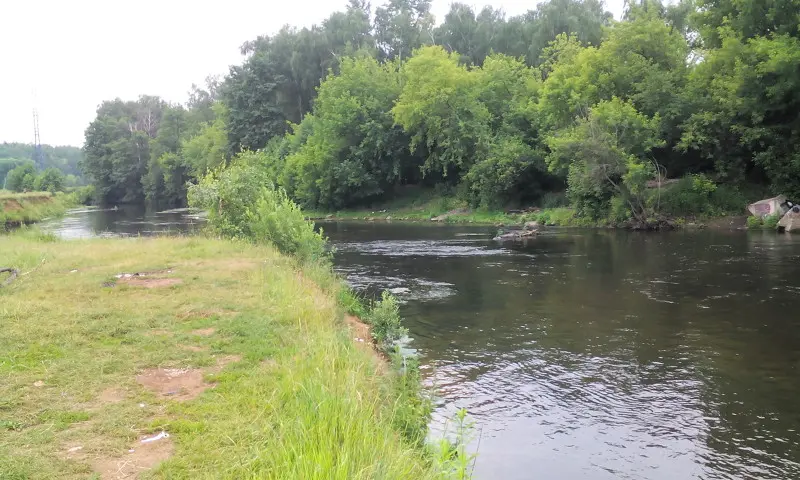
(60,168)
(559,105)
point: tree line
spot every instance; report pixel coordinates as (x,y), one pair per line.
(60,167)
(500,111)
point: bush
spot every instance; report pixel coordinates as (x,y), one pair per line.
(698,195)
(384,319)
(753,223)
(279,221)
(82,195)
(771,222)
(242,203)
(229,193)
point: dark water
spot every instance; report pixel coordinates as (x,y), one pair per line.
(123,222)
(602,355)
(591,354)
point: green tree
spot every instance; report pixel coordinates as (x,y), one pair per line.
(21,178)
(353,151)
(606,155)
(49,180)
(439,107)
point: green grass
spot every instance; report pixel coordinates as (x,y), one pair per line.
(298,398)
(29,207)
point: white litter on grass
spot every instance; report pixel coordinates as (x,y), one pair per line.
(156,438)
(74,449)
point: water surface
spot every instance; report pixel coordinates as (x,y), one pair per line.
(602,354)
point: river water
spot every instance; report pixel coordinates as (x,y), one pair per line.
(588,354)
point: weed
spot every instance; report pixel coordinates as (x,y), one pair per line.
(754,222)
(771,222)
(452,458)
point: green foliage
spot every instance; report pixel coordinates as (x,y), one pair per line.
(606,156)
(754,222)
(384,320)
(278,220)
(64,158)
(771,222)
(50,180)
(83,195)
(351,150)
(452,458)
(439,107)
(21,178)
(500,110)
(698,195)
(228,194)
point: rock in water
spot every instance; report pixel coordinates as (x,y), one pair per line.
(516,236)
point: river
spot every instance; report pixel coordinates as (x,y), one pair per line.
(587,353)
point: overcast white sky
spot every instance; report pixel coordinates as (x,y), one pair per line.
(67,56)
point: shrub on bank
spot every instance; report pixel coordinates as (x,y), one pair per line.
(278,220)
(697,195)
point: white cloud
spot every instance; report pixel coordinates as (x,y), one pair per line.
(66,57)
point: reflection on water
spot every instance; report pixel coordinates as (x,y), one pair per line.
(602,355)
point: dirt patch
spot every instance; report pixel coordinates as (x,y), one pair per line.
(177,383)
(194,348)
(145,282)
(269,364)
(140,458)
(204,332)
(158,332)
(363,338)
(225,360)
(112,395)
(11,206)
(182,384)
(359,329)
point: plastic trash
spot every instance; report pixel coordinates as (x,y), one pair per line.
(156,438)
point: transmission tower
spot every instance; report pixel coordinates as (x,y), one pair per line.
(38,154)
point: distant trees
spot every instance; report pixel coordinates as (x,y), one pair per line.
(25,178)
(147,150)
(497,110)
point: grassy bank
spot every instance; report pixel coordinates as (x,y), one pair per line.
(427,207)
(24,208)
(438,209)
(243,358)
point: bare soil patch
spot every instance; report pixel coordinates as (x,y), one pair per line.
(11,206)
(140,458)
(359,329)
(112,395)
(177,383)
(194,348)
(158,332)
(204,332)
(363,337)
(182,384)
